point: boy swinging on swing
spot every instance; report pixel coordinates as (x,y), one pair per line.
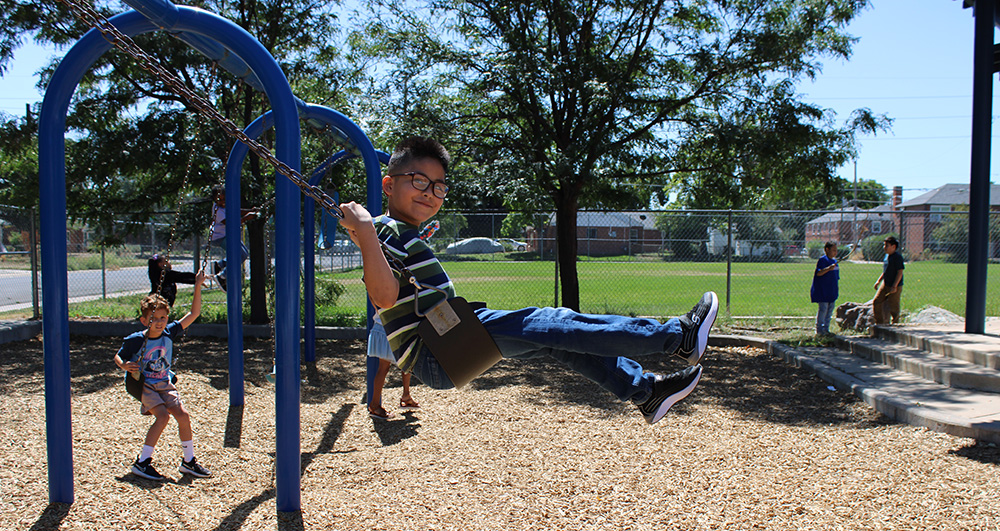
(591,345)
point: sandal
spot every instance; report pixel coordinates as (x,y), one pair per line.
(379,413)
(408,404)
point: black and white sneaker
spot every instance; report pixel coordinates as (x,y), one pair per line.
(667,391)
(696,325)
(144,469)
(194,468)
(220,275)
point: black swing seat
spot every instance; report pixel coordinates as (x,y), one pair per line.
(133,385)
(458,340)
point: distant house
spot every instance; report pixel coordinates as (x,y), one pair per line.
(923,214)
(603,234)
(855,224)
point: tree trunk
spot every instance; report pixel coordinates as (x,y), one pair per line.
(257,242)
(566,207)
(256,239)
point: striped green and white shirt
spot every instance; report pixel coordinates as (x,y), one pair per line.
(402,241)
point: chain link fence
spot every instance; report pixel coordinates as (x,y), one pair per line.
(651,263)
(761,263)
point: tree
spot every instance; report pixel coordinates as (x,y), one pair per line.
(131,139)
(586,99)
(763,234)
(685,233)
(771,152)
(869,194)
(952,237)
(19,163)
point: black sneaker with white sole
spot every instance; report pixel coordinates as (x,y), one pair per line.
(219,274)
(667,391)
(144,469)
(194,468)
(696,325)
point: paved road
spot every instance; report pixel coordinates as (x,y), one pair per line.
(15,285)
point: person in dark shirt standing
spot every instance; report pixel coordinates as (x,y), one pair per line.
(160,268)
(885,305)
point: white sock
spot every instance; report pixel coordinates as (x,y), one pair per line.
(147,452)
(188,447)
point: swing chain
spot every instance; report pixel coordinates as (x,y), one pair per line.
(208,241)
(177,210)
(124,43)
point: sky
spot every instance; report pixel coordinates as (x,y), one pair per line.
(913,63)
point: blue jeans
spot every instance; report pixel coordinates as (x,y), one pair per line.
(823,317)
(588,344)
(244,254)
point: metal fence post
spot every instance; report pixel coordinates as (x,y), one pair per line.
(33,241)
(104,276)
(555,299)
(729,260)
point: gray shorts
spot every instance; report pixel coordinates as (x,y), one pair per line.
(159,393)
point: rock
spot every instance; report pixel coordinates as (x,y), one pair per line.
(855,315)
(933,315)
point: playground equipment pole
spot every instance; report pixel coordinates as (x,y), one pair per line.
(52,178)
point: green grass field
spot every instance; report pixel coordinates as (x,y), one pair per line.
(650,288)
(671,288)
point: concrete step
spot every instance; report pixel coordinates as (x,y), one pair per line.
(900,395)
(949,371)
(980,349)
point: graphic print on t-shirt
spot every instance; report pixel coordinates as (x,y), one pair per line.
(155,360)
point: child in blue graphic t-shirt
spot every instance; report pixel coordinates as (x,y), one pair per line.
(151,354)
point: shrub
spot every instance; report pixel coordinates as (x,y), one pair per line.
(328,291)
(815,249)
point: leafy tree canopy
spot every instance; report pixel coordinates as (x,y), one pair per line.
(573,103)
(130,138)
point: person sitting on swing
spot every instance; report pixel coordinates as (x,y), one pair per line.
(219,233)
(415,186)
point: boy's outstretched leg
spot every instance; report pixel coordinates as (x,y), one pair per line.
(696,325)
(667,391)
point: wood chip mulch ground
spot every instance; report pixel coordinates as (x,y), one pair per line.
(758,445)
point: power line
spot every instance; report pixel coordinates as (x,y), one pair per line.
(969,97)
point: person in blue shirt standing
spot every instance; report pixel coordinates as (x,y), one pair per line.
(825,287)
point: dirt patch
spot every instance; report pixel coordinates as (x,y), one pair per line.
(759,445)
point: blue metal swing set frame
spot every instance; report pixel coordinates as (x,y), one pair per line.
(241,54)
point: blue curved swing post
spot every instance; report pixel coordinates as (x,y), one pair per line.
(346,131)
(375,208)
(52,177)
(374,190)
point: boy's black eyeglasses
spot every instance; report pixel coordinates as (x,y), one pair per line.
(421,182)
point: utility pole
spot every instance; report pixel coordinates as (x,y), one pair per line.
(984,67)
(854,231)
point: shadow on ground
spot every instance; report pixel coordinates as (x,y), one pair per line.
(748,381)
